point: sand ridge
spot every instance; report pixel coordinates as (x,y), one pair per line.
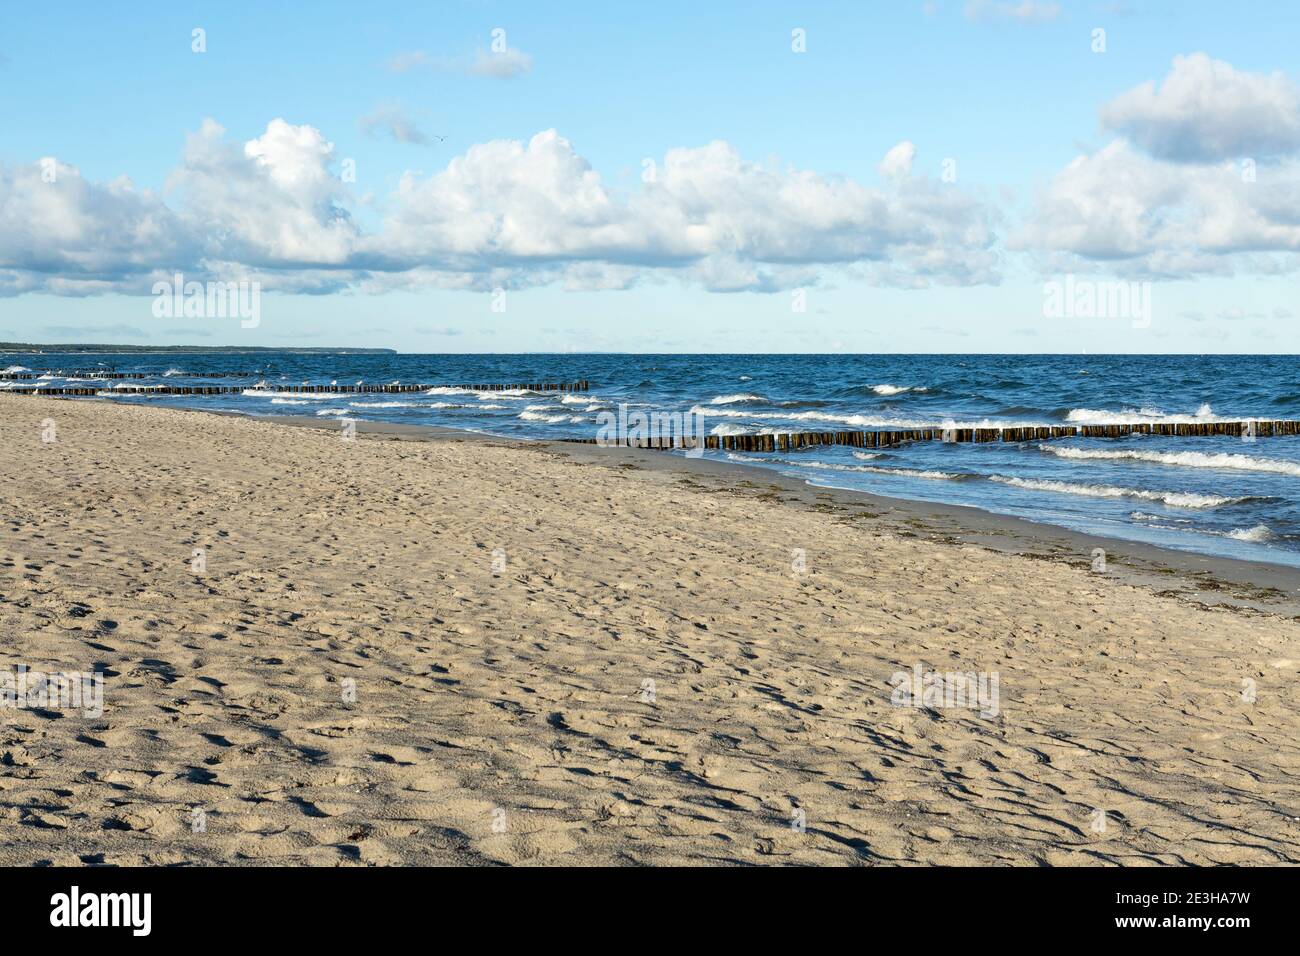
(356,677)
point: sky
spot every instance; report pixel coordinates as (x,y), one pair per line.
(667,177)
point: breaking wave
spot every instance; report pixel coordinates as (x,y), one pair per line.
(1185,459)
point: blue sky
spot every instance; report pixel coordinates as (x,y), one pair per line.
(792,201)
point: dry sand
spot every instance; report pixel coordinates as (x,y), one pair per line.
(508,718)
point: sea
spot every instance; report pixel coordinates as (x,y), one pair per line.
(1212,495)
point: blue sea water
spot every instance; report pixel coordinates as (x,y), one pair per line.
(1214,495)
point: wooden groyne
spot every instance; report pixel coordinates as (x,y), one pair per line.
(778,442)
(793,441)
(359,389)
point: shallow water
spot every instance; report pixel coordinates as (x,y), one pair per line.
(1223,496)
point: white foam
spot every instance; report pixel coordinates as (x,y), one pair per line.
(897,389)
(1092,416)
(1258,533)
(927,473)
(1144,516)
(1176,499)
(303,396)
(1185,459)
(549,419)
(862,421)
(738,397)
(514,394)
(871,469)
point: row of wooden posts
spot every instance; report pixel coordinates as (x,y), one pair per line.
(71,390)
(788,441)
(792,441)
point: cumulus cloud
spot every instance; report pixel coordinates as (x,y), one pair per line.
(390,121)
(272,203)
(1172,200)
(57,226)
(1119,205)
(505,213)
(737,224)
(1205,110)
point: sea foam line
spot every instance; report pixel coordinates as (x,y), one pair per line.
(1131,416)
(897,389)
(1257,534)
(871,469)
(1186,459)
(1176,499)
(862,421)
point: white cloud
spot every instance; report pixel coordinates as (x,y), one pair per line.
(708,213)
(1206,110)
(58,228)
(898,161)
(1121,207)
(1176,200)
(272,204)
(505,213)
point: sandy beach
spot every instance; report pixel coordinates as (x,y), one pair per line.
(472,651)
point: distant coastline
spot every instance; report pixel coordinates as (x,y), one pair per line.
(165,349)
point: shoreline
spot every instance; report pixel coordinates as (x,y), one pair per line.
(1204,579)
(1209,580)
